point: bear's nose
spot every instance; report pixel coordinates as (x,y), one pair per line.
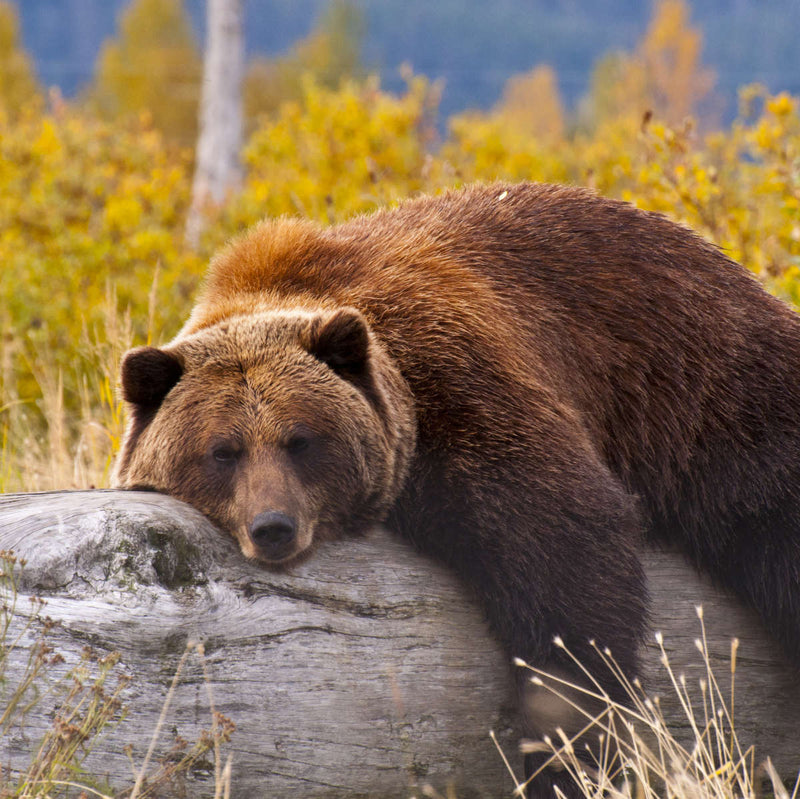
(273,532)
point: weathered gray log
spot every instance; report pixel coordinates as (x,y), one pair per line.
(362,672)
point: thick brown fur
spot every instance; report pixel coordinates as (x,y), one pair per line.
(541,378)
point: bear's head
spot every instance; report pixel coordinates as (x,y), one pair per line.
(283,427)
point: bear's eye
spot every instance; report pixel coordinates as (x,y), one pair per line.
(225,456)
(297,444)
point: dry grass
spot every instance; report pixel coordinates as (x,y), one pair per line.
(86,700)
(635,755)
(51,439)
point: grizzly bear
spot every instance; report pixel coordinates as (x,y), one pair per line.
(523,380)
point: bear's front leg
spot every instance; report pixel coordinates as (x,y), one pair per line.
(546,539)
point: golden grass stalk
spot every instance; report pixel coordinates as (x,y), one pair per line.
(52,440)
(85,707)
(634,753)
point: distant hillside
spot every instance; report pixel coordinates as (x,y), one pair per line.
(474,45)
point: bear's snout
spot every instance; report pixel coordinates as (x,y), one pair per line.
(273,534)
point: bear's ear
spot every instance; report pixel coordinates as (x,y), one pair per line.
(147,376)
(342,342)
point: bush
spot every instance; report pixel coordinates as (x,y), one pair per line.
(90,221)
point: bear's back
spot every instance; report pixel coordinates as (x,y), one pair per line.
(526,248)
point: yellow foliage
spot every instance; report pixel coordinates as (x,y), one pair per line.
(531,104)
(338,152)
(670,54)
(664,75)
(153,66)
(89,212)
(328,55)
(18,85)
(92,217)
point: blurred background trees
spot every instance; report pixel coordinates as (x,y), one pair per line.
(18,83)
(330,53)
(664,73)
(531,104)
(217,169)
(153,65)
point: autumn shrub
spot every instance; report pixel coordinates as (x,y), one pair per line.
(90,221)
(629,750)
(340,152)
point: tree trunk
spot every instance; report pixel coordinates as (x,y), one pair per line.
(217,170)
(364,671)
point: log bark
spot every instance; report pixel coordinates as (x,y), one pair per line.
(365,671)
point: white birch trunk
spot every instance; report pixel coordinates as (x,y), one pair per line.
(217,170)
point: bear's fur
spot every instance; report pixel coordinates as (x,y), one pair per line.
(523,380)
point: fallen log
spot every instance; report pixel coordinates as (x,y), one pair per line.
(365,671)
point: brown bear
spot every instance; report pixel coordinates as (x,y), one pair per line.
(523,380)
